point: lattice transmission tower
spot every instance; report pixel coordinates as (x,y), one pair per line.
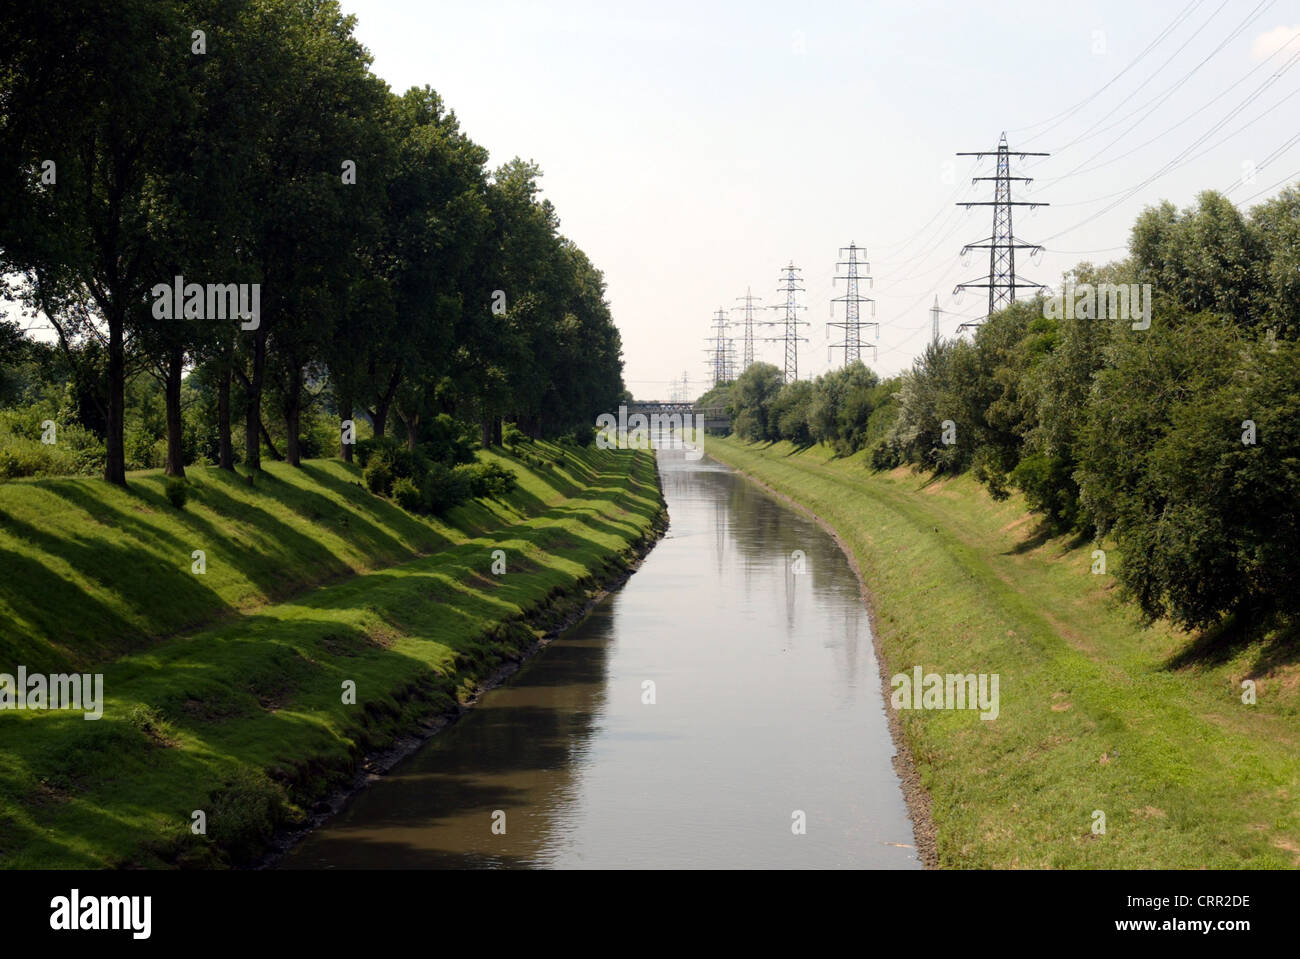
(853,323)
(720,351)
(1002,245)
(747,337)
(791,287)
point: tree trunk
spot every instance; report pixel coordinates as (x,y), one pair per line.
(496,431)
(270,443)
(175,465)
(225,449)
(114,441)
(344,396)
(412,430)
(379,418)
(253,408)
(292,416)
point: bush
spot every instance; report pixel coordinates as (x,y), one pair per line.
(884,455)
(444,488)
(448,440)
(319,436)
(407,494)
(512,435)
(244,814)
(363,450)
(582,436)
(178,491)
(77,453)
(378,476)
(487,479)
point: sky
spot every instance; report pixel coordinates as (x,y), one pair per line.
(692,150)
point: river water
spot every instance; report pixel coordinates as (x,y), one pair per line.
(766,715)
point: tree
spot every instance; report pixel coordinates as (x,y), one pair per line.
(91,88)
(752,397)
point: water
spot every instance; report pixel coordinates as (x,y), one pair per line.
(767,702)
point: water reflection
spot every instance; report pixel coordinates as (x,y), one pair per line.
(767,701)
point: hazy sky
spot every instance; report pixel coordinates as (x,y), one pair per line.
(693,149)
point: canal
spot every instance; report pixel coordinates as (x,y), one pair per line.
(726,696)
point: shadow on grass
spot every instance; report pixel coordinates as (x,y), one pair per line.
(1278,645)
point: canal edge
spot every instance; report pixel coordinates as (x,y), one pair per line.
(375,764)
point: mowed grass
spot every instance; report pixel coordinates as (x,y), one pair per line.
(242,716)
(1098,713)
(92,571)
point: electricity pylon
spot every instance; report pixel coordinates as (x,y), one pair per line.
(790,335)
(853,323)
(747,340)
(1002,245)
(719,349)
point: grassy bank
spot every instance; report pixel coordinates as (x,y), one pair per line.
(224,692)
(1145,725)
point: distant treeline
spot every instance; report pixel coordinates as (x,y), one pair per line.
(1179,440)
(246,148)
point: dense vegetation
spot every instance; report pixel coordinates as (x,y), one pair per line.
(246,142)
(1180,442)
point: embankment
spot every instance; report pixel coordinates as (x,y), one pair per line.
(327,625)
(1101,721)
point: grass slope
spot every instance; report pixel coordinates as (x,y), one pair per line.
(223,691)
(1097,712)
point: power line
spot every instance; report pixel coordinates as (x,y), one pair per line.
(1182,157)
(1070,111)
(1270,189)
(1157,103)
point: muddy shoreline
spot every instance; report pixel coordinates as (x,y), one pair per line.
(374,765)
(914,792)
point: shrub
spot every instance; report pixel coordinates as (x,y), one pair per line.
(474,476)
(407,494)
(884,455)
(449,440)
(512,435)
(178,491)
(245,813)
(364,449)
(487,479)
(444,488)
(378,476)
(501,480)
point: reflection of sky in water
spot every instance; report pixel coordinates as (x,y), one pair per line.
(767,701)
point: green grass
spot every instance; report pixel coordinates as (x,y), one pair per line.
(224,691)
(1097,712)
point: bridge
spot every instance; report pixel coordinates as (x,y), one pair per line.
(715,417)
